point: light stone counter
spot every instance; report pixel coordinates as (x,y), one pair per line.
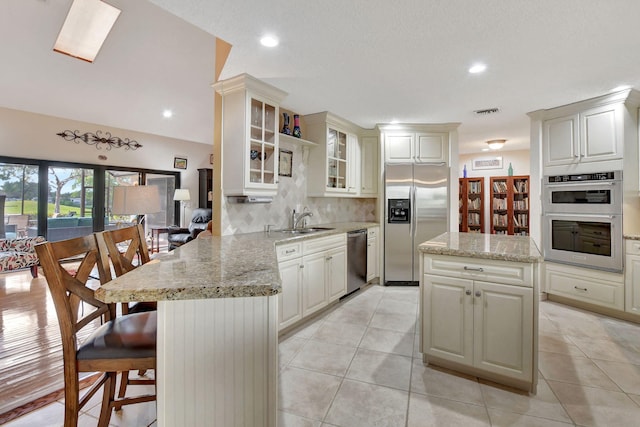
(240,265)
(217,326)
(487,246)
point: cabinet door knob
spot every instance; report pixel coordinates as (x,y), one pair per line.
(468,292)
(478,293)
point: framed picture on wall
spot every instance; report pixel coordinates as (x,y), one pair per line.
(179,163)
(285,164)
(487,163)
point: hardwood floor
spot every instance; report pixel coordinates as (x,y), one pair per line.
(30,347)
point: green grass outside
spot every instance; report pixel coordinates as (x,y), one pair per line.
(31,208)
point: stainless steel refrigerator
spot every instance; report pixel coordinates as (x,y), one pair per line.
(416,210)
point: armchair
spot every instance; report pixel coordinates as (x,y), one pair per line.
(179,236)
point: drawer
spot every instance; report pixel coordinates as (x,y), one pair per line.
(323,243)
(584,288)
(509,273)
(632,247)
(288,251)
(373,232)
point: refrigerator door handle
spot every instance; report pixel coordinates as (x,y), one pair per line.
(414,211)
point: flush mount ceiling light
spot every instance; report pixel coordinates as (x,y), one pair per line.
(84,31)
(496,144)
(269,41)
(477,68)
(167,114)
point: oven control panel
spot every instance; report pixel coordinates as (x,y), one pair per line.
(585,177)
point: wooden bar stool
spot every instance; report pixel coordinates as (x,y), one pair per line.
(121,344)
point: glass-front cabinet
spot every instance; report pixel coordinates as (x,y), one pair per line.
(334,165)
(250,121)
(336,159)
(263,142)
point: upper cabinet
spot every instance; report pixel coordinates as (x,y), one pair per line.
(417,143)
(250,121)
(592,135)
(334,165)
(369,165)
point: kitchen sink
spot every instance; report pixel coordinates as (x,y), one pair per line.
(305,230)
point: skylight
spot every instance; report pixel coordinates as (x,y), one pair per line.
(84,31)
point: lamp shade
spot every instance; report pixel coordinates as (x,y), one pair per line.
(181,195)
(135,200)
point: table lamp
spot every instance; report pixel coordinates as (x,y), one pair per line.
(182,195)
(136,200)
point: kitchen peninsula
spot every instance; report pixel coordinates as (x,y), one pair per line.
(217,325)
(479,306)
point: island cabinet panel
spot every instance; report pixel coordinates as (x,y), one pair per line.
(479,316)
(503,329)
(219,361)
(448,321)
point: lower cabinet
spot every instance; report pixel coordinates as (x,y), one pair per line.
(290,299)
(372,254)
(478,323)
(313,274)
(632,277)
(601,288)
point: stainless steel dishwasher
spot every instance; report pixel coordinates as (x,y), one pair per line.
(356,259)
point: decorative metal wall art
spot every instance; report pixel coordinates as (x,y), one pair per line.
(100,141)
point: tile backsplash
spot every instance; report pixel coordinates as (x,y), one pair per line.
(292,192)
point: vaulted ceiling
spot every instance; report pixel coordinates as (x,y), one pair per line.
(368,61)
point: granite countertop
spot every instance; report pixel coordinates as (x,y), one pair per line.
(239,265)
(488,246)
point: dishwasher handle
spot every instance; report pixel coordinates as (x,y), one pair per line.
(356,233)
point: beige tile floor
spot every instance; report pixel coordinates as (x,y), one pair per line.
(358,364)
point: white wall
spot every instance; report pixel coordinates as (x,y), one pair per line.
(30,135)
(520,162)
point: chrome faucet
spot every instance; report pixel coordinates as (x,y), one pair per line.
(295,218)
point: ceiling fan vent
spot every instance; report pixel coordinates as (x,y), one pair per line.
(487,111)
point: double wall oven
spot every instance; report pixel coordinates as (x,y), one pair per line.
(582,220)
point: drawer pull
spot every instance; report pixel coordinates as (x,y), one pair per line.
(289,251)
(480,269)
(329,258)
(580,289)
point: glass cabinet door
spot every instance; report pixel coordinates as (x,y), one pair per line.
(336,159)
(262,153)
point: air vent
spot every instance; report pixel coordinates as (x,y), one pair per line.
(487,111)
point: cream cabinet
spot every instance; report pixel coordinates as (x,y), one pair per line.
(632,277)
(313,274)
(593,135)
(373,255)
(369,166)
(478,316)
(418,147)
(250,121)
(601,288)
(334,165)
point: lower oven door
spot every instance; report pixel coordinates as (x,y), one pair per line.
(590,241)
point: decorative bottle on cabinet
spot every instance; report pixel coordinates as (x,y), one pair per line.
(285,127)
(296,126)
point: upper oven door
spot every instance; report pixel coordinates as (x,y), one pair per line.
(603,197)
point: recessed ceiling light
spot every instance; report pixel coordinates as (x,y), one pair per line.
(269,41)
(167,114)
(477,68)
(394,122)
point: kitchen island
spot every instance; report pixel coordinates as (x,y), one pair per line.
(479,306)
(217,326)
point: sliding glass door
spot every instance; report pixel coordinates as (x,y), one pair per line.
(18,200)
